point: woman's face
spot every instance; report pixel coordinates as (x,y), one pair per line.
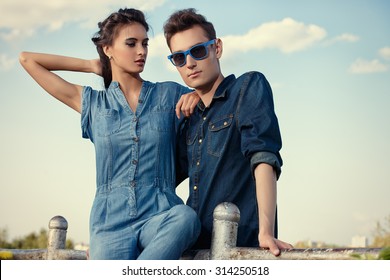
(129,49)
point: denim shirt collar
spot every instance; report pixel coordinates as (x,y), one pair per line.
(113,85)
(221,91)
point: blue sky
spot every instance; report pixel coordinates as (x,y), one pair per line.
(328,63)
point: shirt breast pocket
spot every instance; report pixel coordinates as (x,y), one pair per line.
(108,122)
(218,132)
(162,118)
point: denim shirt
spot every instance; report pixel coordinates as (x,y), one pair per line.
(135,151)
(225,142)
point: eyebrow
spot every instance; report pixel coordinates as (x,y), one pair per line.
(135,39)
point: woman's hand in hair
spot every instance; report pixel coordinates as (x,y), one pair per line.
(96,66)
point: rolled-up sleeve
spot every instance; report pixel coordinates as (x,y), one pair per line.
(269,158)
(260,134)
(86,113)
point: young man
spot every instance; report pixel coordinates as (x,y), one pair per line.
(232,138)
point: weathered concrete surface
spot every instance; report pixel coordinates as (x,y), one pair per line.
(242,253)
(42,254)
(303,254)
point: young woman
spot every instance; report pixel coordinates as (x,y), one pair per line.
(136,213)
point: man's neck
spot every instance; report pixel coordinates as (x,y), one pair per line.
(207,93)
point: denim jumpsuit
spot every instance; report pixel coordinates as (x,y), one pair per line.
(136,213)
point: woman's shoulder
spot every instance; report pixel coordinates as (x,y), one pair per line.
(170,85)
(88,90)
(93,97)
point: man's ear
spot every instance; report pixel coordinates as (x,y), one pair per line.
(218,48)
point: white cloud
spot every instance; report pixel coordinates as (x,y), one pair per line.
(385,53)
(22,18)
(158,46)
(361,66)
(6,62)
(16,34)
(287,35)
(346,37)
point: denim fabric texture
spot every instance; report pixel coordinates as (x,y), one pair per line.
(224,143)
(135,174)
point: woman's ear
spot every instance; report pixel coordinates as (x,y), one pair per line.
(218,47)
(107,51)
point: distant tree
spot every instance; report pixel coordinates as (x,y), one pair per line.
(34,241)
(310,244)
(382,234)
(69,244)
(301,245)
(30,241)
(4,238)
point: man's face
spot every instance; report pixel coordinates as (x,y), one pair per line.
(197,74)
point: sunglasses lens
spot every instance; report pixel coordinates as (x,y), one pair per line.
(178,59)
(198,52)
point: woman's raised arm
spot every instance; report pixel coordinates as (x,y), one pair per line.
(40,67)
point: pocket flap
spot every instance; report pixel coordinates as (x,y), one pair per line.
(221,123)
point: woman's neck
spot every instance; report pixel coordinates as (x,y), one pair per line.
(131,87)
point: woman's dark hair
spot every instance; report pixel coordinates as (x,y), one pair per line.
(107,32)
(185,19)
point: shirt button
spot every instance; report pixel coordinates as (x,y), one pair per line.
(135,119)
(198,163)
(135,161)
(135,139)
(225,123)
(195,188)
(204,118)
(200,141)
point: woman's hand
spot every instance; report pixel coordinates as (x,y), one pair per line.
(96,66)
(186,104)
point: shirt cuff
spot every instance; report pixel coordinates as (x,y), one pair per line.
(266,157)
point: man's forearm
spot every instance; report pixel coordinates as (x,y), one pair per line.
(266,198)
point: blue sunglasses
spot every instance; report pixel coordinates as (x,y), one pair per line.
(197,52)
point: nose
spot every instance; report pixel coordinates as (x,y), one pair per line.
(142,50)
(190,61)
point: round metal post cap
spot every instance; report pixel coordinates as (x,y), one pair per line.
(227,211)
(58,222)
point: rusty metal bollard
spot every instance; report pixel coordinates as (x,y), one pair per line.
(224,236)
(57,236)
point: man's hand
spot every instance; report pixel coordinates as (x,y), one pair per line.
(273,244)
(186,104)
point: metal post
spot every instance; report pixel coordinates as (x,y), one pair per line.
(57,236)
(224,236)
